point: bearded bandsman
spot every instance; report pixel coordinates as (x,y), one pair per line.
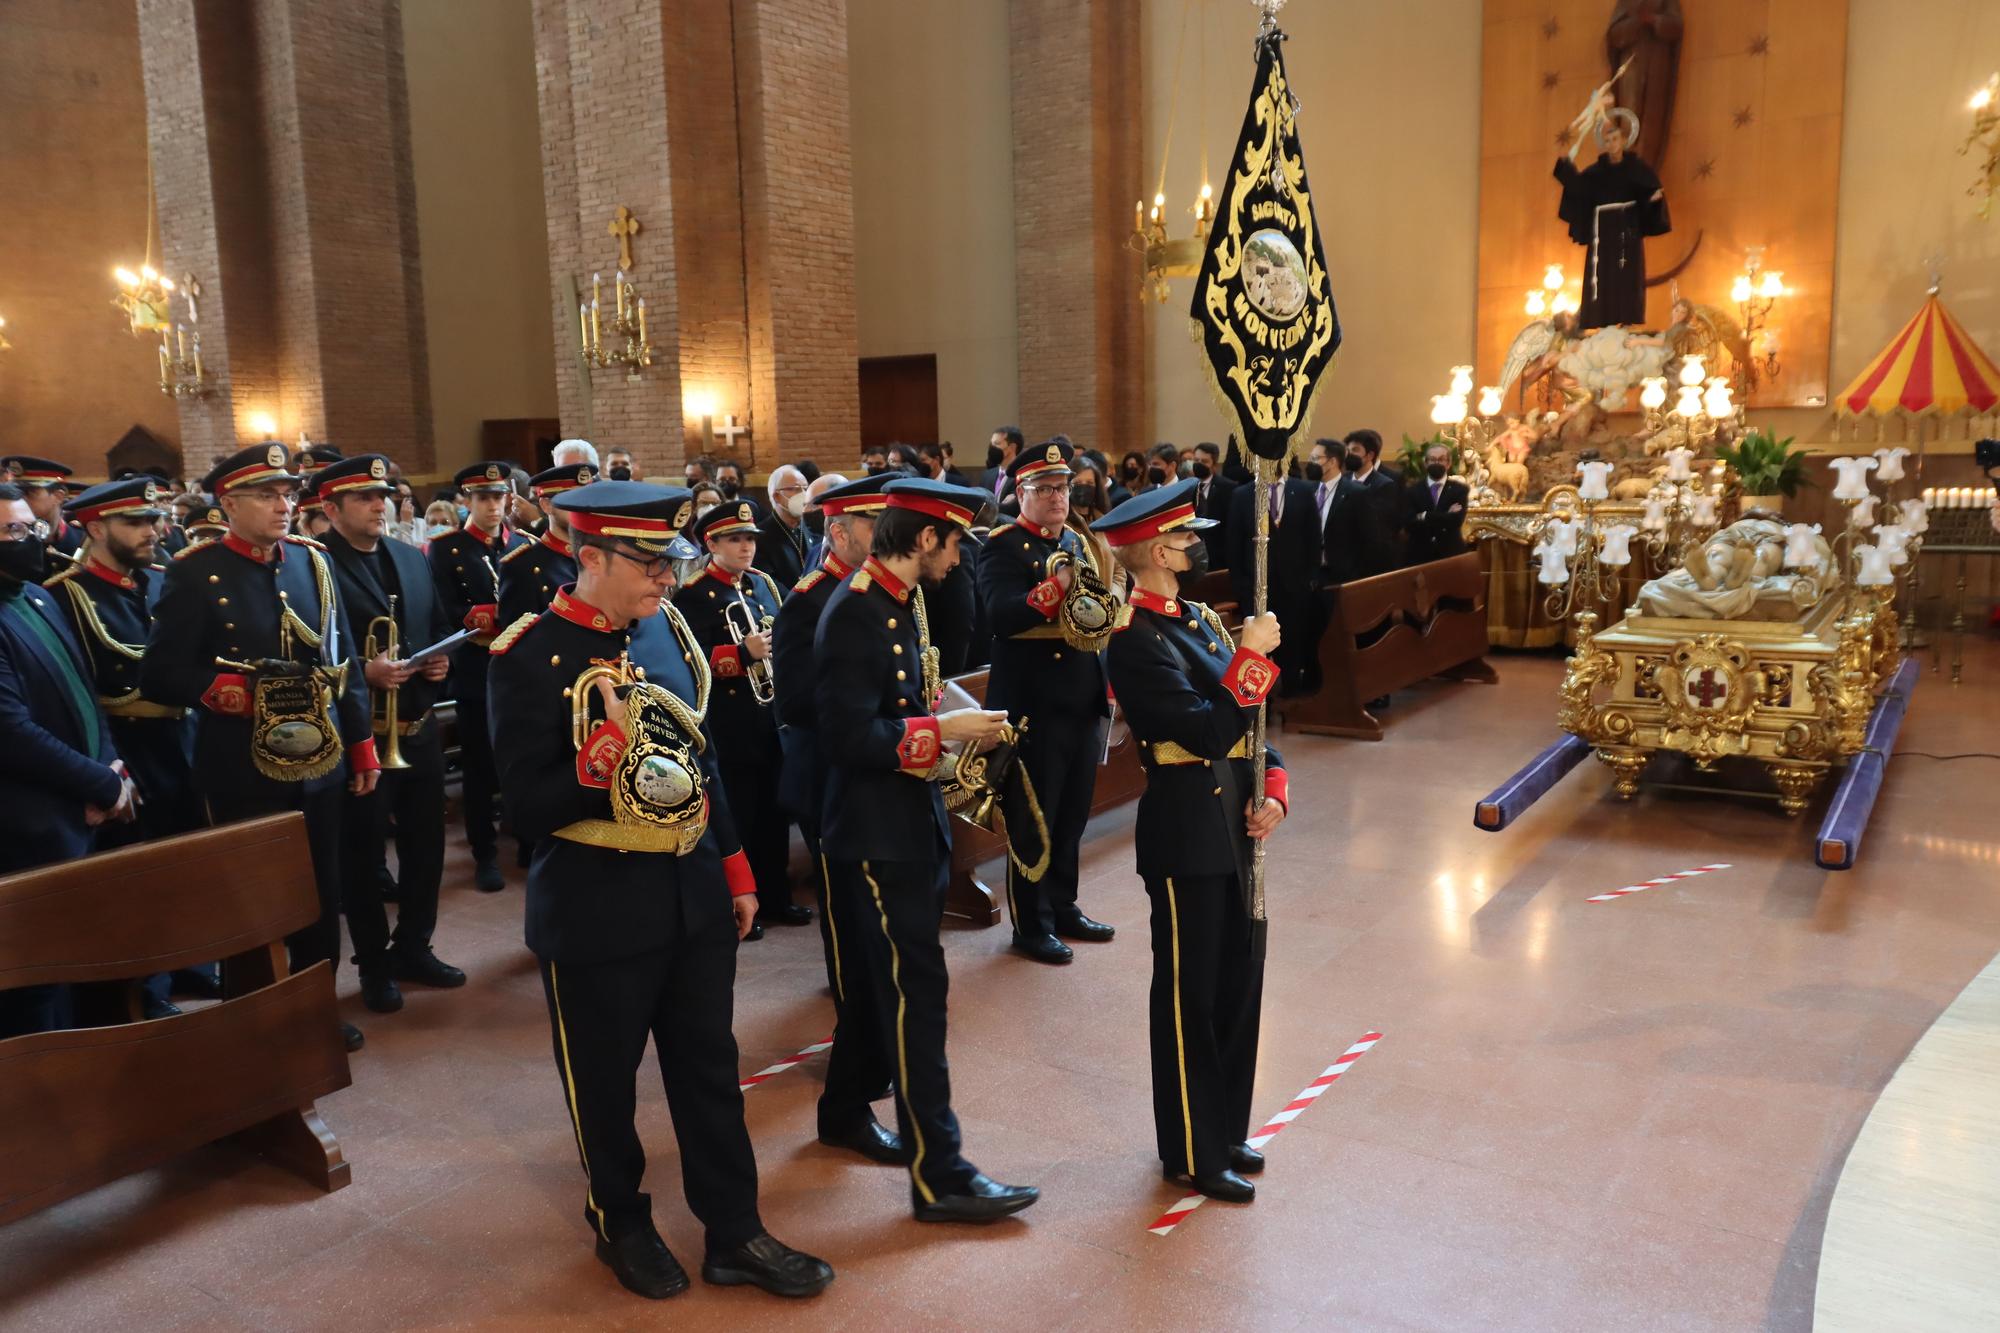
(531,573)
(46,484)
(466,566)
(1189,692)
(638,890)
(731,606)
(1050,614)
(250,631)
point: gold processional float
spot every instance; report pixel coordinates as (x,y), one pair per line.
(1763,642)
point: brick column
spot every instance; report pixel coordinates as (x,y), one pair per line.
(798,215)
(601,69)
(280,139)
(1075,79)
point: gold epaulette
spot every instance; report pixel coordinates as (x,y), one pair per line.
(192,547)
(506,637)
(770,586)
(991,533)
(862,581)
(1123,620)
(1215,625)
(294,538)
(525,546)
(810,581)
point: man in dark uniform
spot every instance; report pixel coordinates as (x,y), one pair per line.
(466,566)
(1048,675)
(1189,693)
(382,582)
(206,523)
(64,779)
(316,457)
(531,573)
(888,848)
(638,890)
(730,589)
(250,630)
(46,484)
(859,1068)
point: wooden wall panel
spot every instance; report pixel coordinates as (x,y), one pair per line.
(1771,178)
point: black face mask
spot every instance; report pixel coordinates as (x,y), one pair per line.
(1197,558)
(729,488)
(1351,462)
(1315,473)
(23,562)
(1129,471)
(1435,471)
(1156,475)
(877,469)
(1202,472)
(993,456)
(621,473)
(1084,497)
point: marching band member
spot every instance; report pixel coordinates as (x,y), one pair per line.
(532,572)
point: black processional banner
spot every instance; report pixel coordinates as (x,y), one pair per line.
(1262,303)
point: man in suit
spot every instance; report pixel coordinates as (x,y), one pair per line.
(783,543)
(1293,564)
(1006,442)
(1213,491)
(1436,518)
(382,580)
(1365,523)
(61,778)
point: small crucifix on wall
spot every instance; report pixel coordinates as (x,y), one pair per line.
(624,226)
(192,290)
(729,430)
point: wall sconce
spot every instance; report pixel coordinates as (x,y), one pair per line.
(4,344)
(143,297)
(628,322)
(263,425)
(1754,296)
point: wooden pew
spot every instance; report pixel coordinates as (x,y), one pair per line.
(1391,631)
(968,898)
(80,1108)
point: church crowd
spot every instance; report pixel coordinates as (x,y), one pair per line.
(652,685)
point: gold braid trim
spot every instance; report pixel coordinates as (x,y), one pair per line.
(1215,625)
(928,655)
(1033,874)
(704,679)
(86,611)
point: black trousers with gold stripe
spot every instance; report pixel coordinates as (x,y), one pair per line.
(1059,755)
(908,985)
(861,1066)
(600,1015)
(1207,998)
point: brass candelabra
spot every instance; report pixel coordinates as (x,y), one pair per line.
(1755,296)
(630,347)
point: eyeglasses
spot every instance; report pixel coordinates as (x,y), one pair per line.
(652,567)
(786,491)
(1046,488)
(20,532)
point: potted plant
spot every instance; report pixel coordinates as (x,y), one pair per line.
(1769,469)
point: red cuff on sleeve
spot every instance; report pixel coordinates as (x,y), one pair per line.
(1046,597)
(736,873)
(361,757)
(481,619)
(1250,677)
(229,695)
(921,746)
(726,659)
(1278,787)
(601,751)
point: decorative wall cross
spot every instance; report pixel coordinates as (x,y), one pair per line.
(624,226)
(192,290)
(729,430)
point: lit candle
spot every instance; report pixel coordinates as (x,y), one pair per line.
(596,279)
(583,325)
(181,337)
(642,321)
(1930,497)
(595,332)
(165,372)
(1139,215)
(618,294)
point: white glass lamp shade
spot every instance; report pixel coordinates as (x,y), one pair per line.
(1863,515)
(1875,570)
(1853,483)
(1655,519)
(1461,381)
(1916,517)
(1704,511)
(1800,549)
(1490,401)
(1596,481)
(1555,565)
(1618,545)
(1889,463)
(1677,463)
(1653,396)
(1893,538)
(1447,409)
(1693,372)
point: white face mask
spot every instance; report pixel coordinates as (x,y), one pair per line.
(797,505)
(699,510)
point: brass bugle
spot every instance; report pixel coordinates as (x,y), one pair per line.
(383,707)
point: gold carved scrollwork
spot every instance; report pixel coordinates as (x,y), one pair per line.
(1709,691)
(1589,668)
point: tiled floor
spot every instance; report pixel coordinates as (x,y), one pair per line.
(1619,1115)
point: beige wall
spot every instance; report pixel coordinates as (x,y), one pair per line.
(933,176)
(475,139)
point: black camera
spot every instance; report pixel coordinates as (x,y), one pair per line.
(1987,454)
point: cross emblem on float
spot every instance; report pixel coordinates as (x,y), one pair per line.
(1706,690)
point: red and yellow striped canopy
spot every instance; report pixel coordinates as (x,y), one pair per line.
(1931,368)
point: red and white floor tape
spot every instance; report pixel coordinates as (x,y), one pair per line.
(1630,889)
(785,1064)
(1307,1096)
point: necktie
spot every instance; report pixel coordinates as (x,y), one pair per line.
(1437,489)
(1322,497)
(1276,491)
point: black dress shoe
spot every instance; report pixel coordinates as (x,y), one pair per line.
(198,985)
(644,1264)
(486,877)
(380,992)
(1043,948)
(756,932)
(351,1036)
(984,1200)
(420,965)
(791,914)
(1222,1186)
(1245,1160)
(1081,927)
(160,1009)
(872,1141)
(766,1262)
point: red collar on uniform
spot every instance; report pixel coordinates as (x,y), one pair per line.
(249,552)
(472,530)
(556,544)
(889,583)
(1046,534)
(116,577)
(1152,601)
(835,566)
(579,612)
(719,574)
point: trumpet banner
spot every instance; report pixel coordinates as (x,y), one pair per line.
(1263,306)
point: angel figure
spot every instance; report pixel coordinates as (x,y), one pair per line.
(1537,349)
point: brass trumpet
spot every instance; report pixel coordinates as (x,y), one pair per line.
(743,621)
(383,707)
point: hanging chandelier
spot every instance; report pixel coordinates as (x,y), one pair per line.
(1167,257)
